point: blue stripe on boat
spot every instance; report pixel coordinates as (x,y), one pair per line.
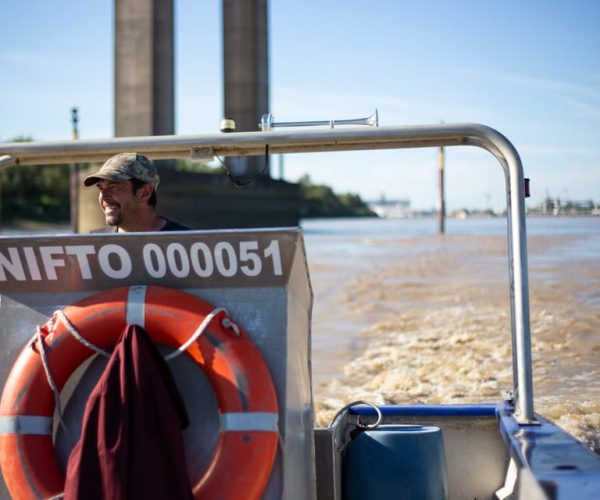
(477,410)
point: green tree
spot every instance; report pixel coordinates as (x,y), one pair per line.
(34,192)
(320,201)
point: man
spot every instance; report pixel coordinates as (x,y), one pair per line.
(127,185)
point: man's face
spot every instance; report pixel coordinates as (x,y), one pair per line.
(118,202)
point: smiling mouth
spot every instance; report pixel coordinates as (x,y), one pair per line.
(112,214)
(109,208)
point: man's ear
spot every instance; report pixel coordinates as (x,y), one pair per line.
(146,191)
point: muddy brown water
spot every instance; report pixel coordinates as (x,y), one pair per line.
(424,318)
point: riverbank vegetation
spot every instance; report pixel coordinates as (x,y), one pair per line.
(42,194)
(319,200)
(34,193)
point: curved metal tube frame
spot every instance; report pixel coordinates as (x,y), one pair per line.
(253,143)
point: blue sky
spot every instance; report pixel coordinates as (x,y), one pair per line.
(530,69)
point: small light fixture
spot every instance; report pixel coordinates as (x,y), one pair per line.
(227,125)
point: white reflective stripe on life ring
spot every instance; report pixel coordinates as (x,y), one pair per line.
(26,424)
(136,301)
(250,421)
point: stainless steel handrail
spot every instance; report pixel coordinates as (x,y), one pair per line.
(254,143)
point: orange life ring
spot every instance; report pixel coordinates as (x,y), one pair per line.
(245,453)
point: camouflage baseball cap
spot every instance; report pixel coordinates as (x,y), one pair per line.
(125,166)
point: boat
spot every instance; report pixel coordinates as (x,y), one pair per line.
(256,283)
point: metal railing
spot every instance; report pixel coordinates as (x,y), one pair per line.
(254,143)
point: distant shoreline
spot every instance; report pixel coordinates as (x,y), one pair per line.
(32,226)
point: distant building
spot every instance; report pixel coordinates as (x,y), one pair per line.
(390,209)
(557,206)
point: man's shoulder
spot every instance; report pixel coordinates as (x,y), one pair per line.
(106,229)
(172,225)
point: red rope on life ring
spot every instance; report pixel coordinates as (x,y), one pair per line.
(245,453)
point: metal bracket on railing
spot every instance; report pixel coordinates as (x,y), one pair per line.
(6,161)
(202,155)
(267,124)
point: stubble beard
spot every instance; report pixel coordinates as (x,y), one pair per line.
(113,220)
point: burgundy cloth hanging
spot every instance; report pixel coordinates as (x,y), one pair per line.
(131,444)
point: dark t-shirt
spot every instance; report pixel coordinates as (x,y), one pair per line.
(171,225)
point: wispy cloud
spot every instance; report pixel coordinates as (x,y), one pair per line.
(584,109)
(553,150)
(24,59)
(305,101)
(564,87)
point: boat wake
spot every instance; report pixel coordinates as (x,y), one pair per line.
(435,328)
